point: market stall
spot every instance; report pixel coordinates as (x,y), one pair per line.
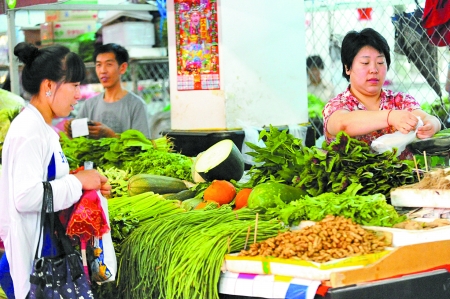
(190,220)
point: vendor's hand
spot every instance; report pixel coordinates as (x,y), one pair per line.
(68,127)
(403,121)
(99,130)
(426,131)
(91,179)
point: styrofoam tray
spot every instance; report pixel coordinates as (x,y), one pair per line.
(297,268)
(402,237)
(430,198)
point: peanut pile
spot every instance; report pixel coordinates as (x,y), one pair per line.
(331,238)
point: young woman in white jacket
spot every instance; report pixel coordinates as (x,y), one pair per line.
(52,77)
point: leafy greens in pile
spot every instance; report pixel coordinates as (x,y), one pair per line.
(131,152)
(331,168)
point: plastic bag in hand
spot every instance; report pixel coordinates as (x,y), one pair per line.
(395,140)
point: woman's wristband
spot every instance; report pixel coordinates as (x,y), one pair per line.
(387,118)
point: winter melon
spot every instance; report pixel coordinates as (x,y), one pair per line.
(222,161)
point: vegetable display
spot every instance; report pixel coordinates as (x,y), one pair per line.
(331,168)
(180,256)
(222,161)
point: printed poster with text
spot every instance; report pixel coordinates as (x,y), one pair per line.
(197,44)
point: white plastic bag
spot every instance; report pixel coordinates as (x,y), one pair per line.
(106,255)
(395,140)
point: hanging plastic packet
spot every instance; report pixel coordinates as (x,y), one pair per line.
(104,264)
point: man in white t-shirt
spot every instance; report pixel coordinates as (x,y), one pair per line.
(115,110)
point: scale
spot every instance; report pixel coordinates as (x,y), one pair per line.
(436,146)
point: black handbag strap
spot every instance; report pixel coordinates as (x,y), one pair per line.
(54,222)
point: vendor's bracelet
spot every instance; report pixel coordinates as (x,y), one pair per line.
(387,118)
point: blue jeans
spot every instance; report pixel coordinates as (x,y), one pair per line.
(5,278)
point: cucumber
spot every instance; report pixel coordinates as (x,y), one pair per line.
(263,195)
(141,183)
(222,161)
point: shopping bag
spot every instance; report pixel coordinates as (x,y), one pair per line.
(59,276)
(103,263)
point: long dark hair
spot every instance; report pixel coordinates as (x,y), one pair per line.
(55,63)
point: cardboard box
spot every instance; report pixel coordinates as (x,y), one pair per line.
(32,35)
(68,31)
(70,15)
(401,261)
(126,34)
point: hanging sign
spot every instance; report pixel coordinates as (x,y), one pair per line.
(197,44)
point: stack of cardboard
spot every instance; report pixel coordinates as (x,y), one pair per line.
(63,27)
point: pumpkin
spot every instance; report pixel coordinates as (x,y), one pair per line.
(242,198)
(220,191)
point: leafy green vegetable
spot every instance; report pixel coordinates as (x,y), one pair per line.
(363,209)
(132,152)
(331,168)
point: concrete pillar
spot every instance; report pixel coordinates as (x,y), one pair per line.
(262,69)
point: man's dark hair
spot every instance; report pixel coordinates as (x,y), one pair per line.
(354,41)
(120,52)
(314,61)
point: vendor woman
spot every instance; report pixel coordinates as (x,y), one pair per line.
(365,110)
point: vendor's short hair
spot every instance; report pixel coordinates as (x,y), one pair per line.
(314,61)
(354,41)
(120,52)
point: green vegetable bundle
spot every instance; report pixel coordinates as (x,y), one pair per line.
(331,169)
(127,213)
(180,256)
(132,153)
(370,210)
(108,152)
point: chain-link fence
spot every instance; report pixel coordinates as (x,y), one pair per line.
(417,66)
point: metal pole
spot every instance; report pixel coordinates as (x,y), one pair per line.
(13,63)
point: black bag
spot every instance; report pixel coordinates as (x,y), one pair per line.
(61,276)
